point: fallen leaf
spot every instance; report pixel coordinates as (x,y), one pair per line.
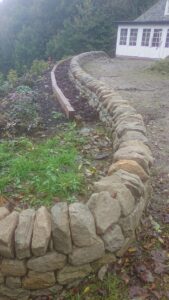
(144,274)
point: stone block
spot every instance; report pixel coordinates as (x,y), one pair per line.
(113,239)
(4,212)
(105,209)
(129,166)
(7,232)
(23,233)
(70,274)
(130,223)
(107,259)
(35,280)
(49,262)
(13,282)
(61,228)
(13,267)
(82,225)
(85,255)
(41,232)
(19,294)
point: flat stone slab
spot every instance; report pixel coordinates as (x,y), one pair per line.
(3,212)
(23,233)
(7,229)
(41,232)
(82,225)
(49,262)
(13,267)
(70,273)
(61,228)
(113,239)
(35,280)
(105,209)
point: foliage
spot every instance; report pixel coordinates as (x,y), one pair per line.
(38,67)
(23,89)
(40,172)
(4,88)
(12,77)
(1,79)
(161,66)
(35,29)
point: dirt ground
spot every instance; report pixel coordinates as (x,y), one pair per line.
(148,93)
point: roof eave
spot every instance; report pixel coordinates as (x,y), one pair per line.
(141,22)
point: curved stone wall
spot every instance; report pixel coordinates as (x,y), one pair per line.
(43,251)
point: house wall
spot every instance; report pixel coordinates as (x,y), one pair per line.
(141,51)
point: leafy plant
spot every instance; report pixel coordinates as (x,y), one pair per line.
(38,67)
(12,77)
(1,79)
(40,172)
(24,89)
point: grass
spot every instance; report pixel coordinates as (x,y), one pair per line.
(111,288)
(161,67)
(38,172)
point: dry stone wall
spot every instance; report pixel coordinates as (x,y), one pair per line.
(43,251)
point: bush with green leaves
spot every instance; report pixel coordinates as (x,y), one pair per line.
(12,77)
(24,89)
(1,79)
(38,67)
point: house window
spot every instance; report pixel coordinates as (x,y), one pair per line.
(167,40)
(157,38)
(167,8)
(123,36)
(146,37)
(133,37)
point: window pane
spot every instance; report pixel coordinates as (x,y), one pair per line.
(146,37)
(157,38)
(123,36)
(133,37)
(167,40)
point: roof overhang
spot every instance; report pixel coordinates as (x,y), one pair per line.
(141,22)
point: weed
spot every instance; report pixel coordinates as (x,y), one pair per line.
(39,172)
(12,77)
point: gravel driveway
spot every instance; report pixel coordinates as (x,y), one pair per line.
(148,92)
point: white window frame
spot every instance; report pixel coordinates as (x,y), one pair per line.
(167,40)
(133,37)
(167,8)
(123,37)
(146,35)
(157,38)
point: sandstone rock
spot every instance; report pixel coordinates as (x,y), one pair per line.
(47,292)
(23,233)
(14,293)
(102,272)
(131,118)
(130,135)
(13,267)
(49,262)
(7,229)
(82,225)
(136,143)
(124,127)
(1,278)
(13,282)
(108,258)
(35,280)
(105,209)
(105,183)
(3,212)
(137,153)
(130,223)
(129,166)
(88,254)
(132,182)
(61,228)
(113,238)
(69,273)
(41,232)
(123,109)
(128,243)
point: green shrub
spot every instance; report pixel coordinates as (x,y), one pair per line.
(1,79)
(161,66)
(38,67)
(12,77)
(24,89)
(4,88)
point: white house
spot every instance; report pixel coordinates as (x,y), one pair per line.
(147,36)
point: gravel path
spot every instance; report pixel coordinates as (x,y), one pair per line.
(149,94)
